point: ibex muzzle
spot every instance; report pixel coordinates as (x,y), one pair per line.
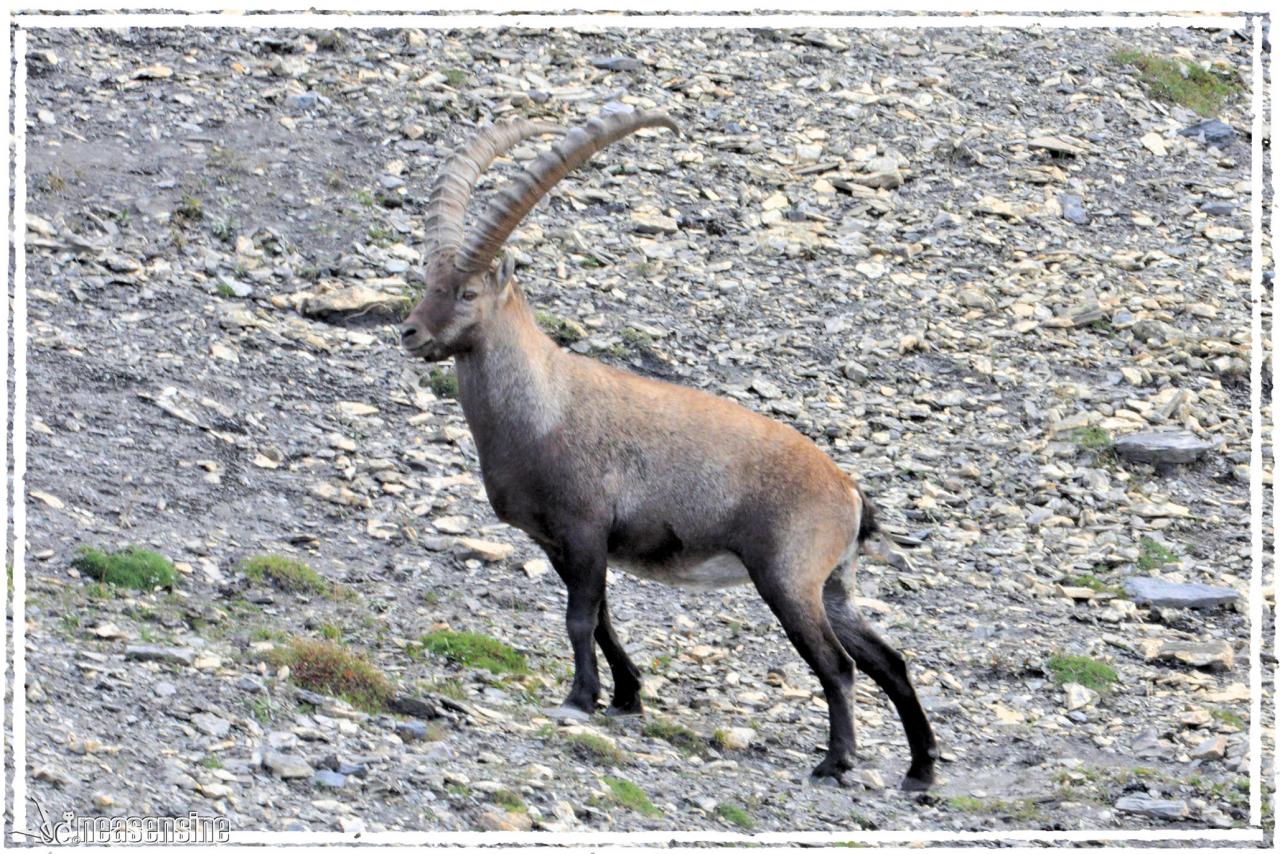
(601,467)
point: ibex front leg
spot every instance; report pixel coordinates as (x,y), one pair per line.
(581,563)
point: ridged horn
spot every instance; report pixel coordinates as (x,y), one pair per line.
(447,204)
(513,203)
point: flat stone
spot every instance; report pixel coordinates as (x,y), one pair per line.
(485,550)
(566,714)
(287,767)
(737,738)
(418,707)
(1212,655)
(1147,590)
(1154,807)
(166,654)
(1212,131)
(359,301)
(211,724)
(1212,748)
(329,779)
(1161,447)
(411,731)
(617,63)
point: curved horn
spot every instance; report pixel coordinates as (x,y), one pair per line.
(451,191)
(495,224)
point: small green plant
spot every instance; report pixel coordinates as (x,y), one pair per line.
(1093,439)
(225,290)
(1152,555)
(734,815)
(224,229)
(1185,83)
(472,649)
(335,179)
(211,761)
(509,801)
(379,236)
(1094,583)
(328,631)
(631,796)
(327,668)
(561,330)
(132,567)
(455,76)
(1094,675)
(54,182)
(1228,717)
(443,383)
(365,198)
(964,803)
(636,339)
(451,688)
(591,262)
(260,707)
(594,748)
(682,738)
(190,209)
(285,574)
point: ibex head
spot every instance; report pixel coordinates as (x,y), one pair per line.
(465,285)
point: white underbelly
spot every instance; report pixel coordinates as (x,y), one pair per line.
(700,573)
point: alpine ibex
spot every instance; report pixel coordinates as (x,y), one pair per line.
(601,467)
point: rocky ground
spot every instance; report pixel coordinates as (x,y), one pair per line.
(965,262)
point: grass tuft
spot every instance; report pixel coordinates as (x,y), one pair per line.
(1185,83)
(286,574)
(509,801)
(561,330)
(472,649)
(734,815)
(594,748)
(132,567)
(631,796)
(443,383)
(327,668)
(1094,675)
(1152,555)
(1093,439)
(682,738)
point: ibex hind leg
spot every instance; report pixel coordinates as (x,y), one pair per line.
(626,676)
(888,668)
(799,608)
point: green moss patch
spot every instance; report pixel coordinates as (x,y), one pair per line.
(472,649)
(594,748)
(631,796)
(682,738)
(1094,675)
(560,330)
(132,567)
(1181,82)
(735,815)
(1152,555)
(328,668)
(286,574)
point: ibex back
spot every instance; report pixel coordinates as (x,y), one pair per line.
(601,467)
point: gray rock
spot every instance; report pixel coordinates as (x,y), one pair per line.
(1073,209)
(286,766)
(1212,131)
(1218,208)
(411,731)
(1161,447)
(1148,590)
(418,707)
(301,101)
(329,779)
(211,724)
(617,63)
(166,654)
(1154,807)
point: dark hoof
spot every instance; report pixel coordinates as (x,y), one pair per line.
(618,710)
(918,781)
(832,768)
(835,781)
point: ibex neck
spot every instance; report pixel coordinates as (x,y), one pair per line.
(506,383)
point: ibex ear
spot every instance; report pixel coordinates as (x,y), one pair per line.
(502,274)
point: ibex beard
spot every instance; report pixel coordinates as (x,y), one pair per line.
(601,467)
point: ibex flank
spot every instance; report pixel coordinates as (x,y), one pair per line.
(604,468)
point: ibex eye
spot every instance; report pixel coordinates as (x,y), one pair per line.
(470,295)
